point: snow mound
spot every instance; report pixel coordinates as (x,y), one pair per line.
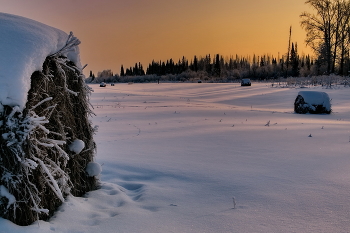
(93,169)
(77,146)
(24,45)
(312,102)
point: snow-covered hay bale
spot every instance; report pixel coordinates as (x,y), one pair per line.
(46,138)
(246,82)
(313,102)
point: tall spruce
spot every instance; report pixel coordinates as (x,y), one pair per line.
(217,68)
(294,60)
(195,64)
(122,73)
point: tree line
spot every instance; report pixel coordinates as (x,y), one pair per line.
(327,33)
(221,68)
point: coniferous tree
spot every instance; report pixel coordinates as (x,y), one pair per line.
(135,70)
(308,62)
(122,73)
(294,60)
(195,64)
(217,68)
(163,69)
(92,76)
(208,68)
(262,62)
(141,71)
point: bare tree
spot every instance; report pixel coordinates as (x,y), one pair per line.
(326,29)
(344,35)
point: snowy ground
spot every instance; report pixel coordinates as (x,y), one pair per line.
(174,155)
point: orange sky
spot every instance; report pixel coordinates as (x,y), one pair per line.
(115,32)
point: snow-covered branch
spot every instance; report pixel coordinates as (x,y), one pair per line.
(71,43)
(41,102)
(53,184)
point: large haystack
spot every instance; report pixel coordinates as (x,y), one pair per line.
(46,143)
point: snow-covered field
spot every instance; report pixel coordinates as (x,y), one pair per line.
(174,156)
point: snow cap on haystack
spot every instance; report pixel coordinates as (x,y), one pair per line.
(24,46)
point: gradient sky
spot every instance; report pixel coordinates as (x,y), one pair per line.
(115,32)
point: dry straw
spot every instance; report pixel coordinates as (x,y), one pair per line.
(37,169)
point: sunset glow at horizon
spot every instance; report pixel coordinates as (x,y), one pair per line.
(125,32)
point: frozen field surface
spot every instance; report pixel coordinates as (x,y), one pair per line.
(174,156)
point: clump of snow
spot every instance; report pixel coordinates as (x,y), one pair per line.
(313,98)
(77,146)
(93,169)
(5,193)
(24,46)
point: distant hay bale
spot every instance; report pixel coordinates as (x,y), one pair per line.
(312,102)
(246,82)
(37,168)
